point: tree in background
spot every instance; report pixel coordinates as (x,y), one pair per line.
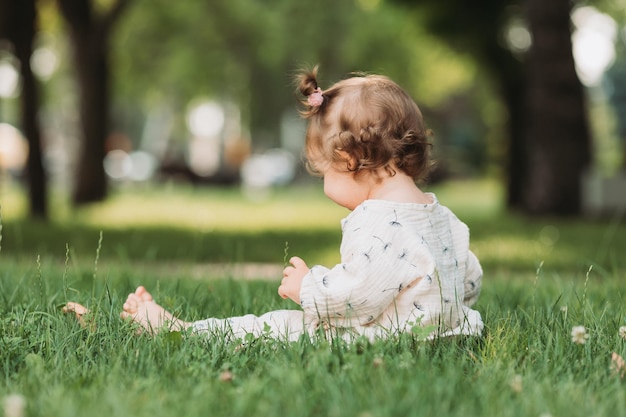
(548,135)
(479,32)
(18,24)
(557,139)
(90,31)
(616,75)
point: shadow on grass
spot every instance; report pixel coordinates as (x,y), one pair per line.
(502,242)
(29,239)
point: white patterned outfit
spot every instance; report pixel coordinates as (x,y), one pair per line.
(402,264)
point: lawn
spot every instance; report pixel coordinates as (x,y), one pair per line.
(542,278)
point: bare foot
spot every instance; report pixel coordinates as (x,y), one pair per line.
(141,308)
(79,311)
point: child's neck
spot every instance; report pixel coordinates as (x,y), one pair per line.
(399,188)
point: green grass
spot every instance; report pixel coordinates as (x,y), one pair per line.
(542,277)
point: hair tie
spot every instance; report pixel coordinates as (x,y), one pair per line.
(315,99)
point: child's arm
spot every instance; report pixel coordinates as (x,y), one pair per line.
(367,283)
(473,279)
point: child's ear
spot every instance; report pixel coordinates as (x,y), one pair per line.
(347,158)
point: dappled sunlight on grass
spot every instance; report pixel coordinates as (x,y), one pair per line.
(213,212)
(221,209)
(511,250)
(207,224)
(205,209)
(13,202)
(471,198)
(519,243)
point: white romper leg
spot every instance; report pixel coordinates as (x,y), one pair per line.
(283,324)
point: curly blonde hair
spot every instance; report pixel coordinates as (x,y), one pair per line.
(369,118)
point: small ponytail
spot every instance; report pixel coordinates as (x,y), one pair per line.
(308,87)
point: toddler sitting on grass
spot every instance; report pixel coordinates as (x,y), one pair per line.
(405,258)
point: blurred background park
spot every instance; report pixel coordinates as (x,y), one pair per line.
(101,97)
(158,142)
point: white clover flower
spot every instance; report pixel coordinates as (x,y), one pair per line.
(622,332)
(579,335)
(14,405)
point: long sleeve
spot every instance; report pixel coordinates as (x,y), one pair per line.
(469,266)
(382,256)
(473,279)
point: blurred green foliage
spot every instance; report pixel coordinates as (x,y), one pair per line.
(182,50)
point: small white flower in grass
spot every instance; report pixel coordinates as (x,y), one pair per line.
(14,405)
(622,332)
(579,335)
(516,384)
(377,362)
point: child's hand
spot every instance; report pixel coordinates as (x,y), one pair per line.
(292,279)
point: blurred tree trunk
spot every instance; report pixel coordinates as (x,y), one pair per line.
(548,134)
(90,33)
(18,25)
(558,142)
(479,30)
